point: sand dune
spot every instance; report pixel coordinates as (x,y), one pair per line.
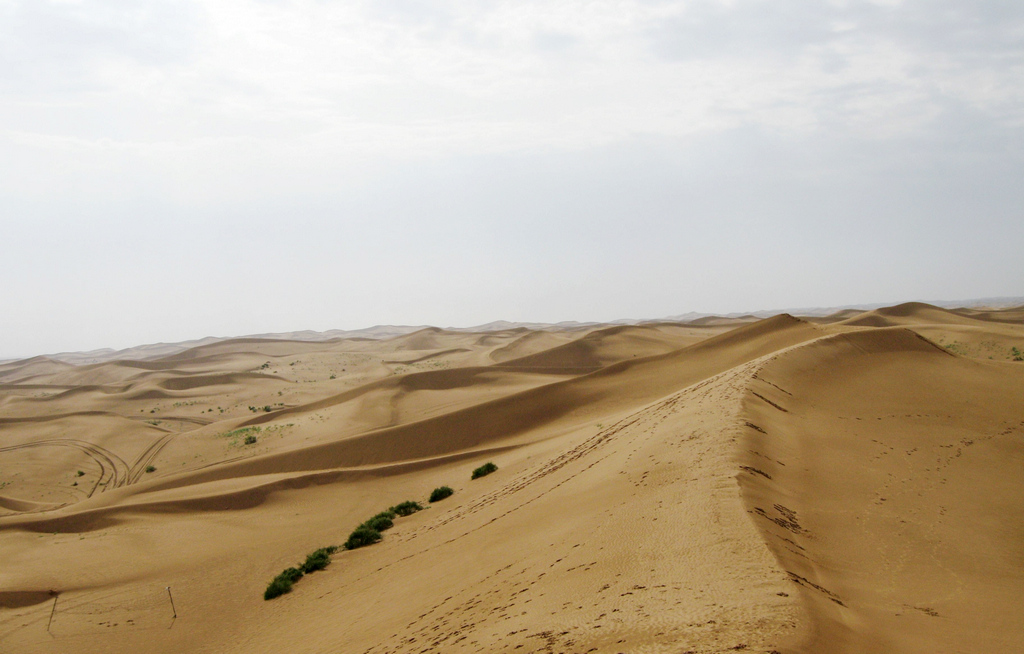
(603,347)
(28,370)
(893,502)
(980,335)
(1011,315)
(838,316)
(909,313)
(767,486)
(530,342)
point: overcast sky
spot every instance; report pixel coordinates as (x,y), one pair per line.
(174,169)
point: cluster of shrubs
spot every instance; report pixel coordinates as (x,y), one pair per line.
(365,534)
(368,533)
(315,560)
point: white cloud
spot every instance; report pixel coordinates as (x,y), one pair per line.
(397,78)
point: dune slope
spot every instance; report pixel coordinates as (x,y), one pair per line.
(888,478)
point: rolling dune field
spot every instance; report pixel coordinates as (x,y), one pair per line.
(842,485)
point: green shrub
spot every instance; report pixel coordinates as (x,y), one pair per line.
(440,493)
(362,537)
(484,470)
(318,559)
(80,473)
(150,468)
(250,440)
(276,588)
(379,522)
(282,583)
(406,508)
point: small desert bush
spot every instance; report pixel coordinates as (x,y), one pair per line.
(440,493)
(150,468)
(282,583)
(380,522)
(318,559)
(276,588)
(250,440)
(407,508)
(484,470)
(362,537)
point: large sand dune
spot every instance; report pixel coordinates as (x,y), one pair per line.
(761,486)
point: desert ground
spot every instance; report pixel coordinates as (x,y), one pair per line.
(830,485)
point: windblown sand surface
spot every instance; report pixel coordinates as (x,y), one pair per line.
(850,485)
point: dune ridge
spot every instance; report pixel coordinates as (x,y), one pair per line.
(915,569)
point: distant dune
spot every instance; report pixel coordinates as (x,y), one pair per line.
(908,314)
(834,484)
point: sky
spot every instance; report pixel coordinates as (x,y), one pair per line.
(173,169)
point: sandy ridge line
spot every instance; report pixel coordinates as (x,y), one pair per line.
(590,446)
(787,519)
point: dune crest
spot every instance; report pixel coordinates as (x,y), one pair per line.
(874,477)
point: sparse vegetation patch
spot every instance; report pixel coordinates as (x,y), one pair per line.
(382,521)
(407,508)
(440,493)
(245,435)
(315,560)
(282,583)
(365,534)
(362,537)
(484,470)
(318,559)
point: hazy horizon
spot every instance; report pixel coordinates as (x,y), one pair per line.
(180,169)
(966,302)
